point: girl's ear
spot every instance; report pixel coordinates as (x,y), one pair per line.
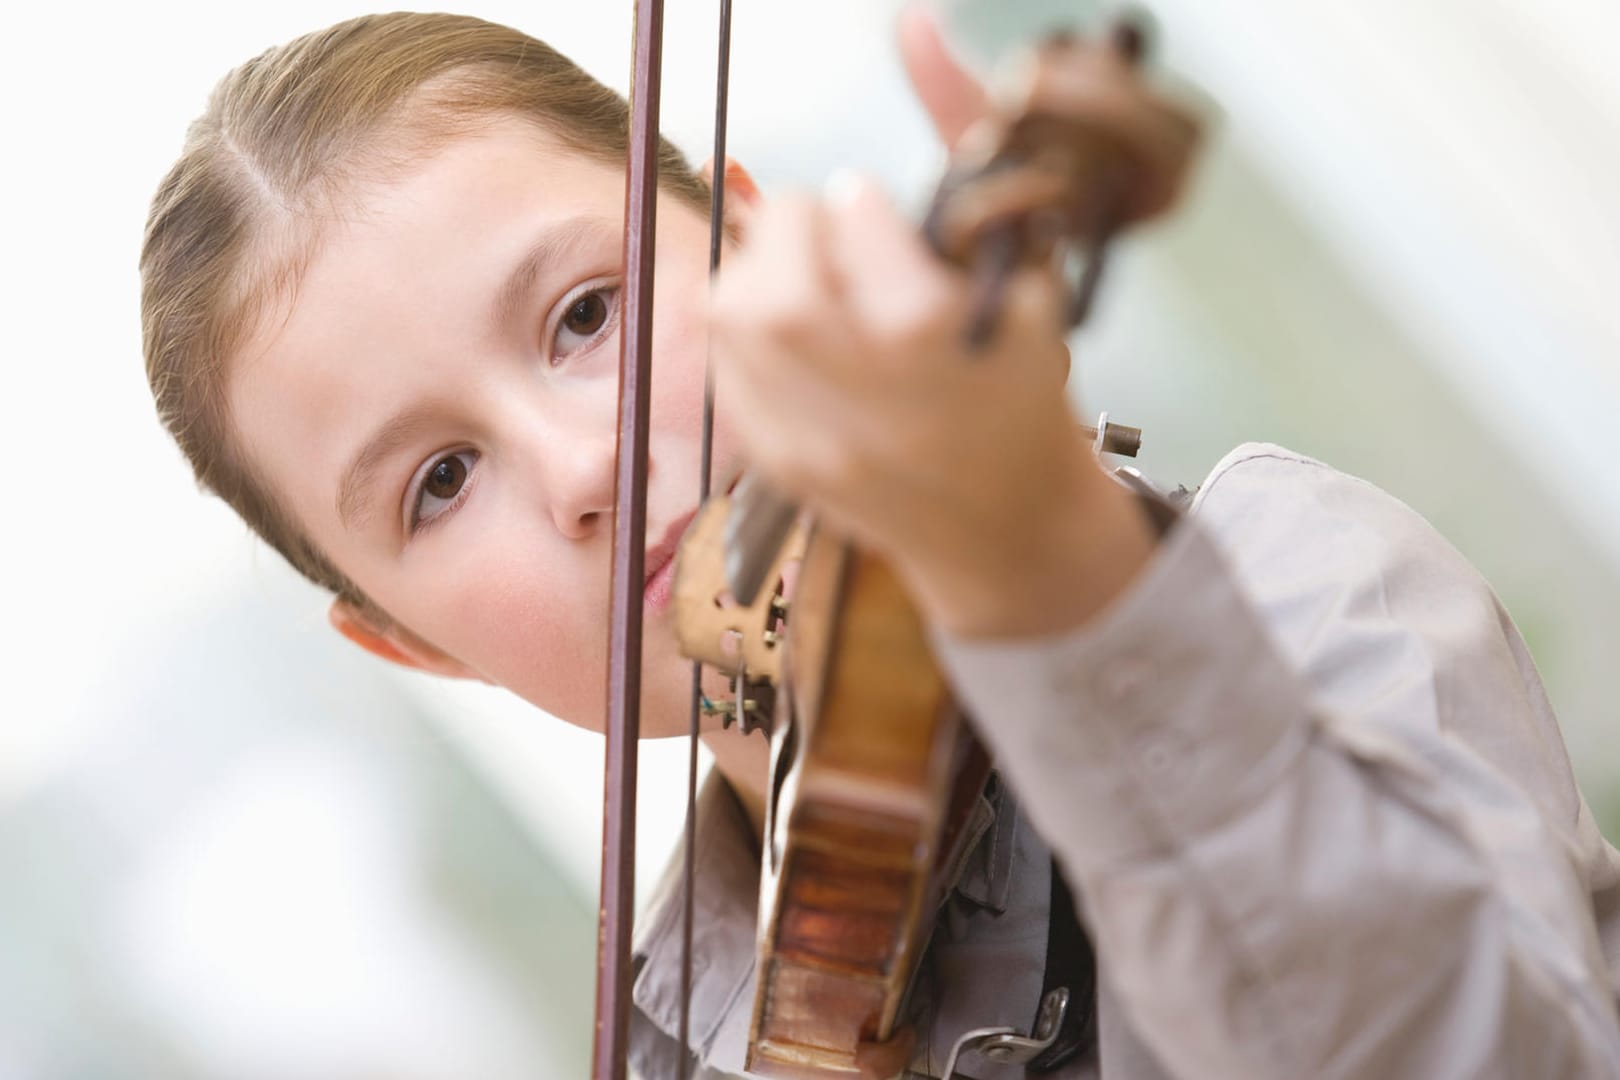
(394,643)
(742,194)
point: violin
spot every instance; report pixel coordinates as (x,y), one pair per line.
(874,770)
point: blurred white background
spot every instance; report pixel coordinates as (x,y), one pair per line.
(231,846)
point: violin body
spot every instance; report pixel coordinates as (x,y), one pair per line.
(875,774)
(874,778)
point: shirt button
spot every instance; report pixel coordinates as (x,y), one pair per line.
(1165,759)
(1122,680)
(1155,756)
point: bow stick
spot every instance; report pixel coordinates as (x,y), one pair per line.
(616,913)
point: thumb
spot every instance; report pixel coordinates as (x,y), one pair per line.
(952,96)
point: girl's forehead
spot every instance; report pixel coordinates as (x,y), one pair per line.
(452,222)
(507,165)
(396,292)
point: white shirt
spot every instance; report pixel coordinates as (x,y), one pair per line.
(1308,791)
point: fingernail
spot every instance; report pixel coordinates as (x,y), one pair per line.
(843,186)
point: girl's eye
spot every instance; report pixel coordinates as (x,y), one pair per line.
(442,487)
(587,318)
(587,315)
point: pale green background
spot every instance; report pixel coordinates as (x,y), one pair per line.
(232,847)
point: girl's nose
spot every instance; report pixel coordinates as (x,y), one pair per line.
(582,484)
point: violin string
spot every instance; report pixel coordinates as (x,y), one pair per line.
(717,206)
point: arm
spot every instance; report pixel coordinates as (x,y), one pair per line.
(1279,888)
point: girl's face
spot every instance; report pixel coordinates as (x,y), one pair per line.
(436,403)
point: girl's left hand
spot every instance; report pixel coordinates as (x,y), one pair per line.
(839,342)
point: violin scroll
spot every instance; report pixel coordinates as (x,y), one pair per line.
(1077,147)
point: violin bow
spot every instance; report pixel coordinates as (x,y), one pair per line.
(617,911)
(610,1049)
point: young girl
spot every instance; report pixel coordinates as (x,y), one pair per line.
(1288,752)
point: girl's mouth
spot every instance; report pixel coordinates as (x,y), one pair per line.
(660,564)
(660,586)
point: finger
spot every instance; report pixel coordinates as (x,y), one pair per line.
(1035,300)
(951,95)
(885,1060)
(774,323)
(780,281)
(890,281)
(783,253)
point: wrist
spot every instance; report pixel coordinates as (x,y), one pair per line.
(1053,570)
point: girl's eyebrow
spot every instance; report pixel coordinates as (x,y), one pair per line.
(356,488)
(552,244)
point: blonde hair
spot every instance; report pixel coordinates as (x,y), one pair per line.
(283,136)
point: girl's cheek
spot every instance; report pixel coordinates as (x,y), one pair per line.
(482,575)
(687,345)
(553,657)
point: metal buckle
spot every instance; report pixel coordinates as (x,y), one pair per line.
(1005,1046)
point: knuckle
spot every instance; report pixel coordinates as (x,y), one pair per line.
(798,327)
(915,322)
(838,465)
(788,318)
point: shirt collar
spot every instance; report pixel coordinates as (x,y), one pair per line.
(724,914)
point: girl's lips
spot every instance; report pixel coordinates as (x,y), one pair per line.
(660,560)
(660,564)
(660,586)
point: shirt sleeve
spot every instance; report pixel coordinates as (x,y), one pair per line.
(1286,881)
